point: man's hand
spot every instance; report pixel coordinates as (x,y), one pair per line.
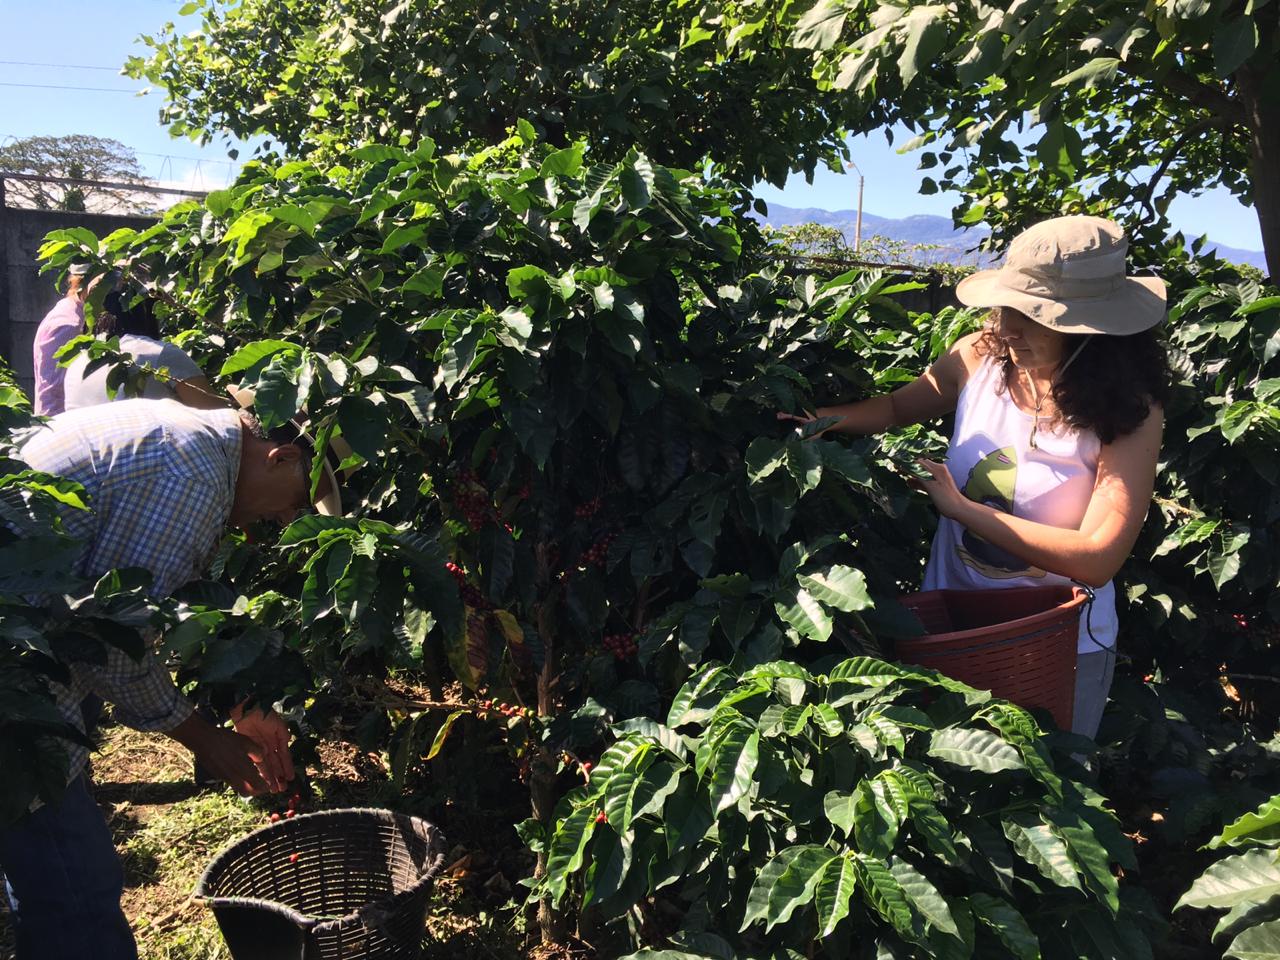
(229,756)
(268,730)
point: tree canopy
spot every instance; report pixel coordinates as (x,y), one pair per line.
(1042,107)
(669,77)
(1028,109)
(75,157)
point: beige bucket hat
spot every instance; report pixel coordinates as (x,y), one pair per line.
(1068,274)
(337,450)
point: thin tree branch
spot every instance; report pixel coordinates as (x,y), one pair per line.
(1203,95)
(1171,154)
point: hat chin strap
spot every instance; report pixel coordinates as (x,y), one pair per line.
(1039,400)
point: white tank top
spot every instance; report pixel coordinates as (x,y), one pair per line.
(991,458)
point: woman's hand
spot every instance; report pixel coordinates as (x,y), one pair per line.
(800,418)
(942,490)
(806,418)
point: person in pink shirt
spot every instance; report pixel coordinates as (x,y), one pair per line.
(60,325)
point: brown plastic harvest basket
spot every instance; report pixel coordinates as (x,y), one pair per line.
(333,885)
(1019,643)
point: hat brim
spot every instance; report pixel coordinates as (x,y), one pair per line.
(328,505)
(1137,304)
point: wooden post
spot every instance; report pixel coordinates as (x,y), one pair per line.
(6,321)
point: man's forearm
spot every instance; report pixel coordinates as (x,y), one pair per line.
(194,733)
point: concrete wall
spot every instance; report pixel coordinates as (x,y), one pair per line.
(25,295)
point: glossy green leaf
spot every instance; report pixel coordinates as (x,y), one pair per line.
(884,894)
(1037,844)
(733,764)
(1257,826)
(567,849)
(1006,923)
(875,821)
(443,733)
(835,889)
(974,749)
(924,896)
(804,613)
(1249,877)
(841,587)
(865,671)
(254,353)
(786,883)
(1257,943)
(1089,855)
(820,26)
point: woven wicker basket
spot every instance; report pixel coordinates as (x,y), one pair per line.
(334,885)
(1019,643)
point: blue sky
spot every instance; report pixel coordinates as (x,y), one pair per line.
(53,43)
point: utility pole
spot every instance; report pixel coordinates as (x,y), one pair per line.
(857,230)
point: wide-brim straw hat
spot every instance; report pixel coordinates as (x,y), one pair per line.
(336,451)
(1068,274)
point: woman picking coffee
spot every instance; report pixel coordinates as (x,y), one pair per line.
(1058,407)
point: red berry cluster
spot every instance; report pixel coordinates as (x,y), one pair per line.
(497,707)
(472,501)
(602,817)
(588,509)
(471,595)
(621,645)
(295,802)
(598,552)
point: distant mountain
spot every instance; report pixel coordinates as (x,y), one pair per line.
(954,246)
(1255,258)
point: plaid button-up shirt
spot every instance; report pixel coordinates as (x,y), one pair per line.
(160,478)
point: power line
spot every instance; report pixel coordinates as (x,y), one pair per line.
(52,86)
(64,66)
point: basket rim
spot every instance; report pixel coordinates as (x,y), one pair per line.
(1035,620)
(435,845)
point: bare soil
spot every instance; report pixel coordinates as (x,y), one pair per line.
(167,830)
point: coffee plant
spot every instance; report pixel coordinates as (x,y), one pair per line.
(1246,884)
(872,810)
(560,382)
(570,491)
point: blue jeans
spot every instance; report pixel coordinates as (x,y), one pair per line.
(66,882)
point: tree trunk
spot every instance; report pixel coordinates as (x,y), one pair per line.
(542,766)
(1261,103)
(542,794)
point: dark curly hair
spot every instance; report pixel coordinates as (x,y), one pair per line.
(1109,388)
(128,311)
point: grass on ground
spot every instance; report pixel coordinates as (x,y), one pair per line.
(167,830)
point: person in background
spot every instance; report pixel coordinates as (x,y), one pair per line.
(1058,408)
(129,313)
(64,322)
(161,479)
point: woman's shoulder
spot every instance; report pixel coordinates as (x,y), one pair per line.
(967,355)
